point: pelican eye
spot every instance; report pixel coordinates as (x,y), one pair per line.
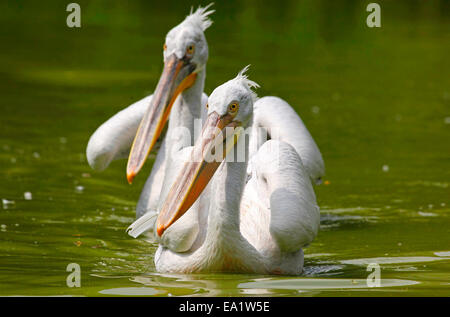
(233,108)
(190,49)
(164,46)
(207,106)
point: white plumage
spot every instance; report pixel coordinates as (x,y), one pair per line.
(114,138)
(253,217)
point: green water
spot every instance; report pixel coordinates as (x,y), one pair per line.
(377,102)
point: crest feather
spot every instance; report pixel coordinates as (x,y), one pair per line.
(249,84)
(200,16)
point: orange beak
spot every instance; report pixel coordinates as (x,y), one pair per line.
(208,153)
(177,76)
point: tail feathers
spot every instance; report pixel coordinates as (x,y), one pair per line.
(143,224)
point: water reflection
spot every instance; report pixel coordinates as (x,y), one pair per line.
(225,285)
(321,284)
(132,291)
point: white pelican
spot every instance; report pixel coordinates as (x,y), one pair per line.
(179,92)
(216,218)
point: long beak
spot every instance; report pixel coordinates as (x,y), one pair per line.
(209,151)
(177,76)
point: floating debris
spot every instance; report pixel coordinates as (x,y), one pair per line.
(13,160)
(27,196)
(385,168)
(77,243)
(36,155)
(3,228)
(426,214)
(447,120)
(79,189)
(326,183)
(86,175)
(62,140)
(6,203)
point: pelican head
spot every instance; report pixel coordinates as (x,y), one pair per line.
(185,55)
(234,99)
(229,106)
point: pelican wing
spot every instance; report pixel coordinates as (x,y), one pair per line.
(279,209)
(284,124)
(113,139)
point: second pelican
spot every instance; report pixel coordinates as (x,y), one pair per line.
(179,93)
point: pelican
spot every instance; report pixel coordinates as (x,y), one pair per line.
(228,214)
(179,93)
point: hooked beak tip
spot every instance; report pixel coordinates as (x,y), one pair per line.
(160,230)
(130,177)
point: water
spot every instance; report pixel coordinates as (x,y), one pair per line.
(377,102)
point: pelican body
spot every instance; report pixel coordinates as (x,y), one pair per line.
(251,215)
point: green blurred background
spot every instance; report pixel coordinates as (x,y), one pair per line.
(376,100)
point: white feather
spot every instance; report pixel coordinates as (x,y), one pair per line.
(200,17)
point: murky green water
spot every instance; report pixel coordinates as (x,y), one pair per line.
(377,102)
